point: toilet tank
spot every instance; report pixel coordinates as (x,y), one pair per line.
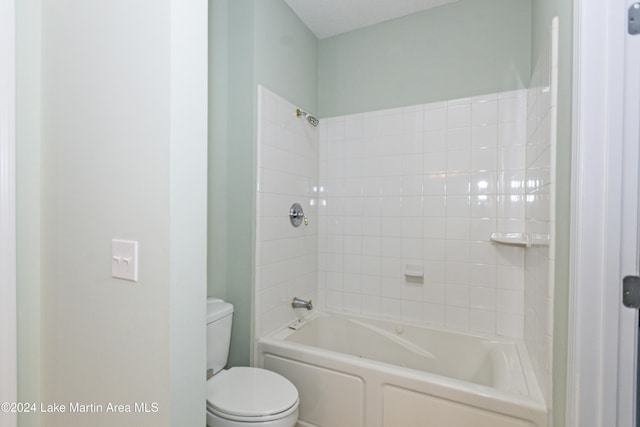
(219,319)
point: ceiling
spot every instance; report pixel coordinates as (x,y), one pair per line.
(327,18)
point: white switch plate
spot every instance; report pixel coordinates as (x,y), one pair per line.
(124,259)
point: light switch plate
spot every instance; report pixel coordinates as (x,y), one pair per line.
(124,259)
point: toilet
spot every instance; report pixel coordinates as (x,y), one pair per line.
(242,396)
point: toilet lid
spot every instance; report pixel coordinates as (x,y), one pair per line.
(250,392)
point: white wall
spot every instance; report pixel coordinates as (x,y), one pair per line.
(8,315)
(124,156)
(28,103)
(540,211)
(426,185)
(286,257)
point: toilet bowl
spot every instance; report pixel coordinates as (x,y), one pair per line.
(243,396)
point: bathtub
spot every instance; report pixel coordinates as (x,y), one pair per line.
(352,371)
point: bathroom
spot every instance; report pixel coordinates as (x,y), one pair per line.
(77,328)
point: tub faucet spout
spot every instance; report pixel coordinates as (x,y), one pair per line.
(300,303)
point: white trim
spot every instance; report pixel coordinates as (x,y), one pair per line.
(8,335)
(597,147)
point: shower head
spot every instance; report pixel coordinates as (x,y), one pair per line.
(314,122)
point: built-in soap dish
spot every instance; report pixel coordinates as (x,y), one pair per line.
(513,239)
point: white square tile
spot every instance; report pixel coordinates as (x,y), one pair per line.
(371,226)
(433,314)
(435,249)
(391,124)
(435,228)
(391,308)
(458,116)
(484,112)
(412,164)
(511,206)
(482,253)
(352,245)
(458,206)
(457,318)
(512,134)
(391,185)
(371,207)
(353,264)
(484,182)
(458,183)
(412,291)
(392,165)
(457,295)
(458,228)
(391,206)
(371,245)
(483,206)
(434,293)
(481,229)
(484,159)
(485,136)
(509,301)
(412,248)
(335,281)
(352,283)
(434,162)
(434,184)
(482,298)
(458,139)
(334,300)
(412,227)
(390,287)
(510,325)
(458,161)
(457,273)
(391,246)
(412,206)
(352,302)
(434,206)
(434,141)
(412,143)
(411,311)
(510,277)
(413,120)
(457,251)
(371,125)
(371,305)
(412,185)
(371,265)
(512,158)
(371,285)
(512,109)
(435,119)
(391,267)
(482,321)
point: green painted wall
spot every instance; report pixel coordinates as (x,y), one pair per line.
(466,48)
(542,13)
(261,42)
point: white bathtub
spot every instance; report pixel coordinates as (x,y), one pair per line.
(352,372)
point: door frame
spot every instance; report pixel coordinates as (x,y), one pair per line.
(8,312)
(604,157)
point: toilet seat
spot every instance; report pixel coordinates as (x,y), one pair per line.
(251,395)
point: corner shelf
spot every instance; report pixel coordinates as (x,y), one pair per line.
(513,239)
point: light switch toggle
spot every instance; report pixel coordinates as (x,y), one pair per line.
(124,259)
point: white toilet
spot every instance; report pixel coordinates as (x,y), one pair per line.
(243,396)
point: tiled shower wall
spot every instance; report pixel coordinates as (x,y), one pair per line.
(286,257)
(540,211)
(425,186)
